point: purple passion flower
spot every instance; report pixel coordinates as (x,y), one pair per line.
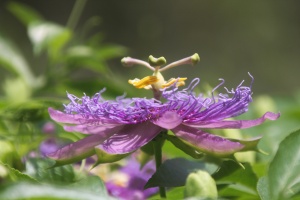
(129,181)
(121,126)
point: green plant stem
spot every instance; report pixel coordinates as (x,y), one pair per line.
(157,145)
(76,13)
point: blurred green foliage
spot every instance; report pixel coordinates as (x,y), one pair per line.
(67,59)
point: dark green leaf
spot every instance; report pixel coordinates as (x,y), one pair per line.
(173,172)
(240,180)
(24,13)
(148,148)
(284,170)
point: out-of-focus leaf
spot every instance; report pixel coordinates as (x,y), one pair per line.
(284,170)
(8,153)
(111,51)
(259,169)
(94,58)
(13,60)
(200,184)
(173,172)
(238,180)
(34,110)
(48,36)
(38,168)
(5,150)
(31,191)
(23,12)
(16,175)
(16,90)
(93,184)
(85,57)
(263,188)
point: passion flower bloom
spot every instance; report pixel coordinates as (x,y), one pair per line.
(118,127)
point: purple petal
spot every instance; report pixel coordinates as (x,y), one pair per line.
(130,138)
(64,118)
(168,120)
(90,129)
(237,124)
(207,143)
(61,117)
(82,148)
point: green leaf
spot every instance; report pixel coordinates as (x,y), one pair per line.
(31,191)
(200,184)
(111,51)
(38,168)
(87,57)
(93,184)
(148,148)
(23,12)
(48,36)
(16,175)
(173,172)
(263,188)
(93,58)
(34,110)
(284,170)
(18,65)
(240,180)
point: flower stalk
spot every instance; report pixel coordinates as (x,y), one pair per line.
(158,142)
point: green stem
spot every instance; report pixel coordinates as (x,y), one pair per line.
(75,14)
(157,145)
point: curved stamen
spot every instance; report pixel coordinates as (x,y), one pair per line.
(212,92)
(192,85)
(128,62)
(252,80)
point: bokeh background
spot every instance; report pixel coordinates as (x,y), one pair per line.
(231,37)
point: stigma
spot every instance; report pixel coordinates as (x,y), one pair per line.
(156,81)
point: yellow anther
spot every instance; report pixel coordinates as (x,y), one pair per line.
(178,81)
(144,83)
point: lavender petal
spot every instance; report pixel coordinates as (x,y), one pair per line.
(236,124)
(168,120)
(130,138)
(207,143)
